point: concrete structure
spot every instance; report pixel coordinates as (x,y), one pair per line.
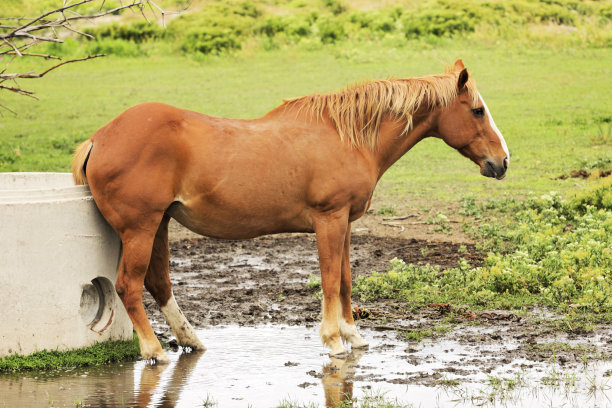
(58,265)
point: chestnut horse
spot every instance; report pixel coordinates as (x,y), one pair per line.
(310,165)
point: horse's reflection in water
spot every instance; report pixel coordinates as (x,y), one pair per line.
(152,374)
(338,378)
(337,381)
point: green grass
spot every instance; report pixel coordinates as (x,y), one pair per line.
(420,334)
(98,354)
(546,102)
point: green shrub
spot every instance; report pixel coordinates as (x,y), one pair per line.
(209,40)
(441,22)
(335,6)
(137,31)
(218,26)
(600,197)
(331,30)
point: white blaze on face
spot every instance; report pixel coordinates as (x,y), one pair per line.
(497,132)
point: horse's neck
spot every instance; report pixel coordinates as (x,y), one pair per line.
(393,145)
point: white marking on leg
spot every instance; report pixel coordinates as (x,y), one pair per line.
(494,126)
(349,332)
(182,330)
(330,333)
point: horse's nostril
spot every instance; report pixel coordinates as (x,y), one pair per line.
(505,163)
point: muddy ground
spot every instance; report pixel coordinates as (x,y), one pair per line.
(264,280)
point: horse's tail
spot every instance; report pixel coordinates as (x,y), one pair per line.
(81,155)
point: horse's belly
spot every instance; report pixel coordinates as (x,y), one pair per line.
(225,223)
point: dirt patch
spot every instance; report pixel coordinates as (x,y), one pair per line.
(264,280)
(583,174)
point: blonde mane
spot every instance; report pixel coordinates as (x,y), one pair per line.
(358,111)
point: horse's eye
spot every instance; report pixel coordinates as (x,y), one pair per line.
(478,112)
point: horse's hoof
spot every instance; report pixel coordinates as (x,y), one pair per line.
(160,359)
(194,346)
(192,349)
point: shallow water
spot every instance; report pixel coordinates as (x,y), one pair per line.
(266,365)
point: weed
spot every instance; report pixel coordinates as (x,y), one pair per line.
(209,402)
(288,403)
(440,221)
(49,399)
(386,210)
(470,208)
(314,282)
(420,334)
(445,382)
(370,399)
(601,163)
(603,135)
(416,335)
(500,389)
(596,386)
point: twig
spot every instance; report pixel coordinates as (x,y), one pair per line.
(30,76)
(399,218)
(31,54)
(19,91)
(8,109)
(12,46)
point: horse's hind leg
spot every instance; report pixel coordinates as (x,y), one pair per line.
(157,282)
(346,324)
(137,245)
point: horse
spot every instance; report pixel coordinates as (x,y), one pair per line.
(309,165)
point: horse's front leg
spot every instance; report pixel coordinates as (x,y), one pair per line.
(348,330)
(330,230)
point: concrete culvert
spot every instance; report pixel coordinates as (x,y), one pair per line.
(59,264)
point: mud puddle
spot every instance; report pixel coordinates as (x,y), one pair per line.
(266,366)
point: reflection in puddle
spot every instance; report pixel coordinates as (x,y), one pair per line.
(262,366)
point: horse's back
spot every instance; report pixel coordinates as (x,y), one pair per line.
(227,178)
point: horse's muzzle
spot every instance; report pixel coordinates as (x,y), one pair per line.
(492,169)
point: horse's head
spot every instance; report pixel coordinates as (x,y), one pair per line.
(467,125)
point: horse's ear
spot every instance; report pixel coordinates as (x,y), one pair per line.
(459,65)
(463,78)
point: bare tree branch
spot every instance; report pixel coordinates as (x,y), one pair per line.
(32,54)
(4,77)
(20,33)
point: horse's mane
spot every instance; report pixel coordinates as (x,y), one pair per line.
(358,111)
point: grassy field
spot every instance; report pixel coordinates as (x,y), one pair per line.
(552,105)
